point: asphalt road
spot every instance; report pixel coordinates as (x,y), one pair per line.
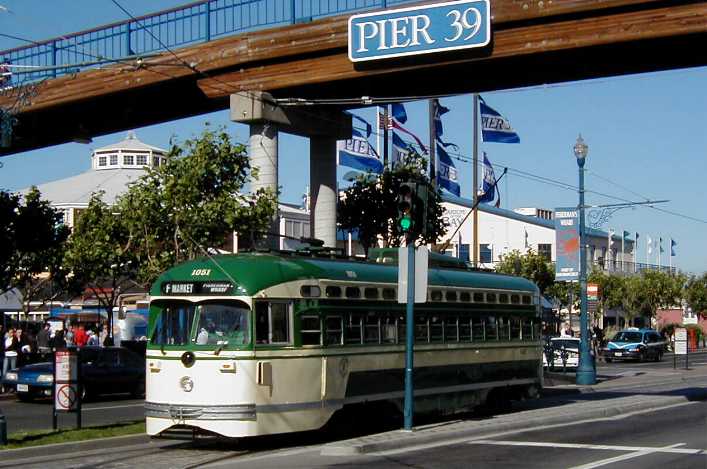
(674,437)
(37,415)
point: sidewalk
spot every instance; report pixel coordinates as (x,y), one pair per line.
(562,403)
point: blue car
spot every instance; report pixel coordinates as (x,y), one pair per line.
(635,344)
(104,370)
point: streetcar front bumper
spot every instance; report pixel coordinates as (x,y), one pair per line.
(179,412)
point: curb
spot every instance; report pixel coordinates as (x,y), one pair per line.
(399,439)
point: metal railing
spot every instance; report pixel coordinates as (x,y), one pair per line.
(628,268)
(193,23)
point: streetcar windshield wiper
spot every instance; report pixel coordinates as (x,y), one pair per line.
(222,344)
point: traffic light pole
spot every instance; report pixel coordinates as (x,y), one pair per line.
(409,337)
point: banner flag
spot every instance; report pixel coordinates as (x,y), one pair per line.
(650,245)
(660,244)
(367,125)
(439,111)
(673,244)
(357,153)
(487,193)
(401,149)
(495,127)
(397,126)
(398,112)
(447,172)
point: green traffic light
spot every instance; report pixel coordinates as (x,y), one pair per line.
(405,223)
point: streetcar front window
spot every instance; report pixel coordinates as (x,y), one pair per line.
(173,326)
(222,324)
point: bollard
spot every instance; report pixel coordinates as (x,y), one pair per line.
(3,430)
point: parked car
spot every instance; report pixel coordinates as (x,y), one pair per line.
(559,346)
(104,370)
(635,344)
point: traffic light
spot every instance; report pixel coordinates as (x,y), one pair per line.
(406,206)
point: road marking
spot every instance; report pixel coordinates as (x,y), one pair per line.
(634,449)
(462,440)
(625,457)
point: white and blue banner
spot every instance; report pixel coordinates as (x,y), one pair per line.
(358,153)
(447,172)
(495,127)
(487,193)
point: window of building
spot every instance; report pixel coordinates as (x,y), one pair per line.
(128,159)
(141,160)
(545,250)
(485,253)
(114,160)
(155,161)
(464,252)
(102,161)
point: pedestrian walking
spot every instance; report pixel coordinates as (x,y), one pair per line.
(43,337)
(69,336)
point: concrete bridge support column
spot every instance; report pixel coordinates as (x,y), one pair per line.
(264,156)
(322,177)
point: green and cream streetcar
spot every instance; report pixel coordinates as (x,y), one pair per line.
(263,343)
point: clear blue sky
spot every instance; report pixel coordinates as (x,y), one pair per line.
(646,133)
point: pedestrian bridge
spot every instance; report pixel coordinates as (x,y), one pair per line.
(190,60)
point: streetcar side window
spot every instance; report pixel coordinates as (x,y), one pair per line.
(334,330)
(372,329)
(504,329)
(478,329)
(491,328)
(515,328)
(354,328)
(436,329)
(389,332)
(465,328)
(451,329)
(310,328)
(272,323)
(527,329)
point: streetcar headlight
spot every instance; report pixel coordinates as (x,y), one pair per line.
(45,379)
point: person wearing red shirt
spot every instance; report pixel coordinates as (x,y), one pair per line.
(80,337)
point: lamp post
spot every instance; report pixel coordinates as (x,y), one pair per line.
(585,369)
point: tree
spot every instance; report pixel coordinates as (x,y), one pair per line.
(9,209)
(696,294)
(100,254)
(530,265)
(192,203)
(40,238)
(369,206)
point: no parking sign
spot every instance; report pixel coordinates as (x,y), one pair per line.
(67,386)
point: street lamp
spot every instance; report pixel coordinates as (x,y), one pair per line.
(585,369)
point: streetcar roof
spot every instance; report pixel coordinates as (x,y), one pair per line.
(255,271)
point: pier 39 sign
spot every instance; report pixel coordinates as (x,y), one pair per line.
(419,30)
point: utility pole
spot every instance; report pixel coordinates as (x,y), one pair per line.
(475,198)
(433,142)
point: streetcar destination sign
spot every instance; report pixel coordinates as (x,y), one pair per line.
(424,29)
(196,288)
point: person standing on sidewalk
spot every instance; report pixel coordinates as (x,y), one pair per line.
(11,346)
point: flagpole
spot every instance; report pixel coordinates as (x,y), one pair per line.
(385,135)
(379,109)
(433,141)
(670,257)
(608,250)
(623,250)
(475,195)
(660,247)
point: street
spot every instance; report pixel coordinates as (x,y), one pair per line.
(25,416)
(645,414)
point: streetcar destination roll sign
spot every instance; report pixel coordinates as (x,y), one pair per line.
(196,288)
(423,29)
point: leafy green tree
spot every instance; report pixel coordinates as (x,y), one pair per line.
(100,254)
(696,294)
(192,203)
(40,238)
(9,209)
(530,265)
(370,207)
(565,293)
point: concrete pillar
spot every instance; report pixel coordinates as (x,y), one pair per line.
(264,156)
(322,178)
